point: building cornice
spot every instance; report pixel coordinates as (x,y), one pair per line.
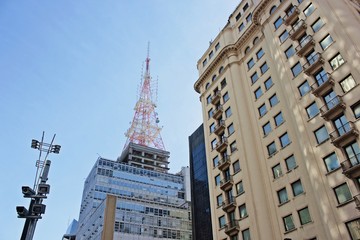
(259,10)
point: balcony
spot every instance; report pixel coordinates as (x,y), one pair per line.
(218,112)
(220,128)
(323,84)
(222,145)
(216,98)
(232,228)
(226,183)
(229,205)
(297,30)
(313,64)
(351,167)
(291,15)
(357,201)
(224,163)
(305,46)
(344,134)
(332,108)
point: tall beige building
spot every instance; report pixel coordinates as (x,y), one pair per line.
(279,88)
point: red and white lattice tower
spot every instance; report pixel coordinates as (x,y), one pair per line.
(144,129)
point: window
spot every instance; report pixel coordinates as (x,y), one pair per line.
(342,193)
(278,22)
(288,223)
(217,180)
(226,97)
(290,51)
(242,211)
(331,99)
(258,92)
(304,88)
(312,110)
(283,36)
(250,63)
(216,161)
(309,9)
(279,119)
(222,222)
(321,135)
(217,46)
(325,43)
(260,53)
(284,140)
(271,148)
(255,41)
(262,110)
(296,69)
(336,61)
(356,109)
(219,200)
(297,188)
(248,18)
(204,62)
(241,27)
(238,16)
(236,166)
(353,153)
(331,162)
(223,83)
(342,125)
(213,78)
(254,78)
(277,172)
(228,112)
(290,162)
(321,77)
(317,25)
(266,128)
(221,69)
(239,188)
(246,234)
(273,100)
(212,127)
(282,196)
(264,68)
(247,49)
(213,143)
(268,83)
(354,229)
(210,113)
(348,83)
(246,6)
(208,99)
(231,129)
(304,216)
(207,85)
(272,10)
(233,147)
(211,54)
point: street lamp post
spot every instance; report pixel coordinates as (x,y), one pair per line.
(39,190)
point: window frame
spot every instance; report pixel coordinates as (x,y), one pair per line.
(322,140)
(278,22)
(348,198)
(295,193)
(326,42)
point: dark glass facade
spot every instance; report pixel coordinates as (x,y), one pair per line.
(200,203)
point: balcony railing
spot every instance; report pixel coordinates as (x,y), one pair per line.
(291,15)
(313,64)
(222,145)
(232,228)
(216,98)
(344,134)
(297,30)
(332,108)
(226,183)
(229,204)
(305,46)
(219,129)
(351,167)
(218,112)
(323,83)
(224,163)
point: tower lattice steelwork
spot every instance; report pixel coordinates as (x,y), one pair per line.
(144,129)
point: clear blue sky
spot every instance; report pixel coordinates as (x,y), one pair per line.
(73,68)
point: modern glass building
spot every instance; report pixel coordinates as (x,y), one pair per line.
(122,201)
(200,203)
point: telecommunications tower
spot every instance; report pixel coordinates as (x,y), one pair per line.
(144,129)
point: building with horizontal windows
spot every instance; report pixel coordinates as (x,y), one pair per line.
(280,101)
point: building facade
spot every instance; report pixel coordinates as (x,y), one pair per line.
(280,95)
(200,203)
(125,201)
